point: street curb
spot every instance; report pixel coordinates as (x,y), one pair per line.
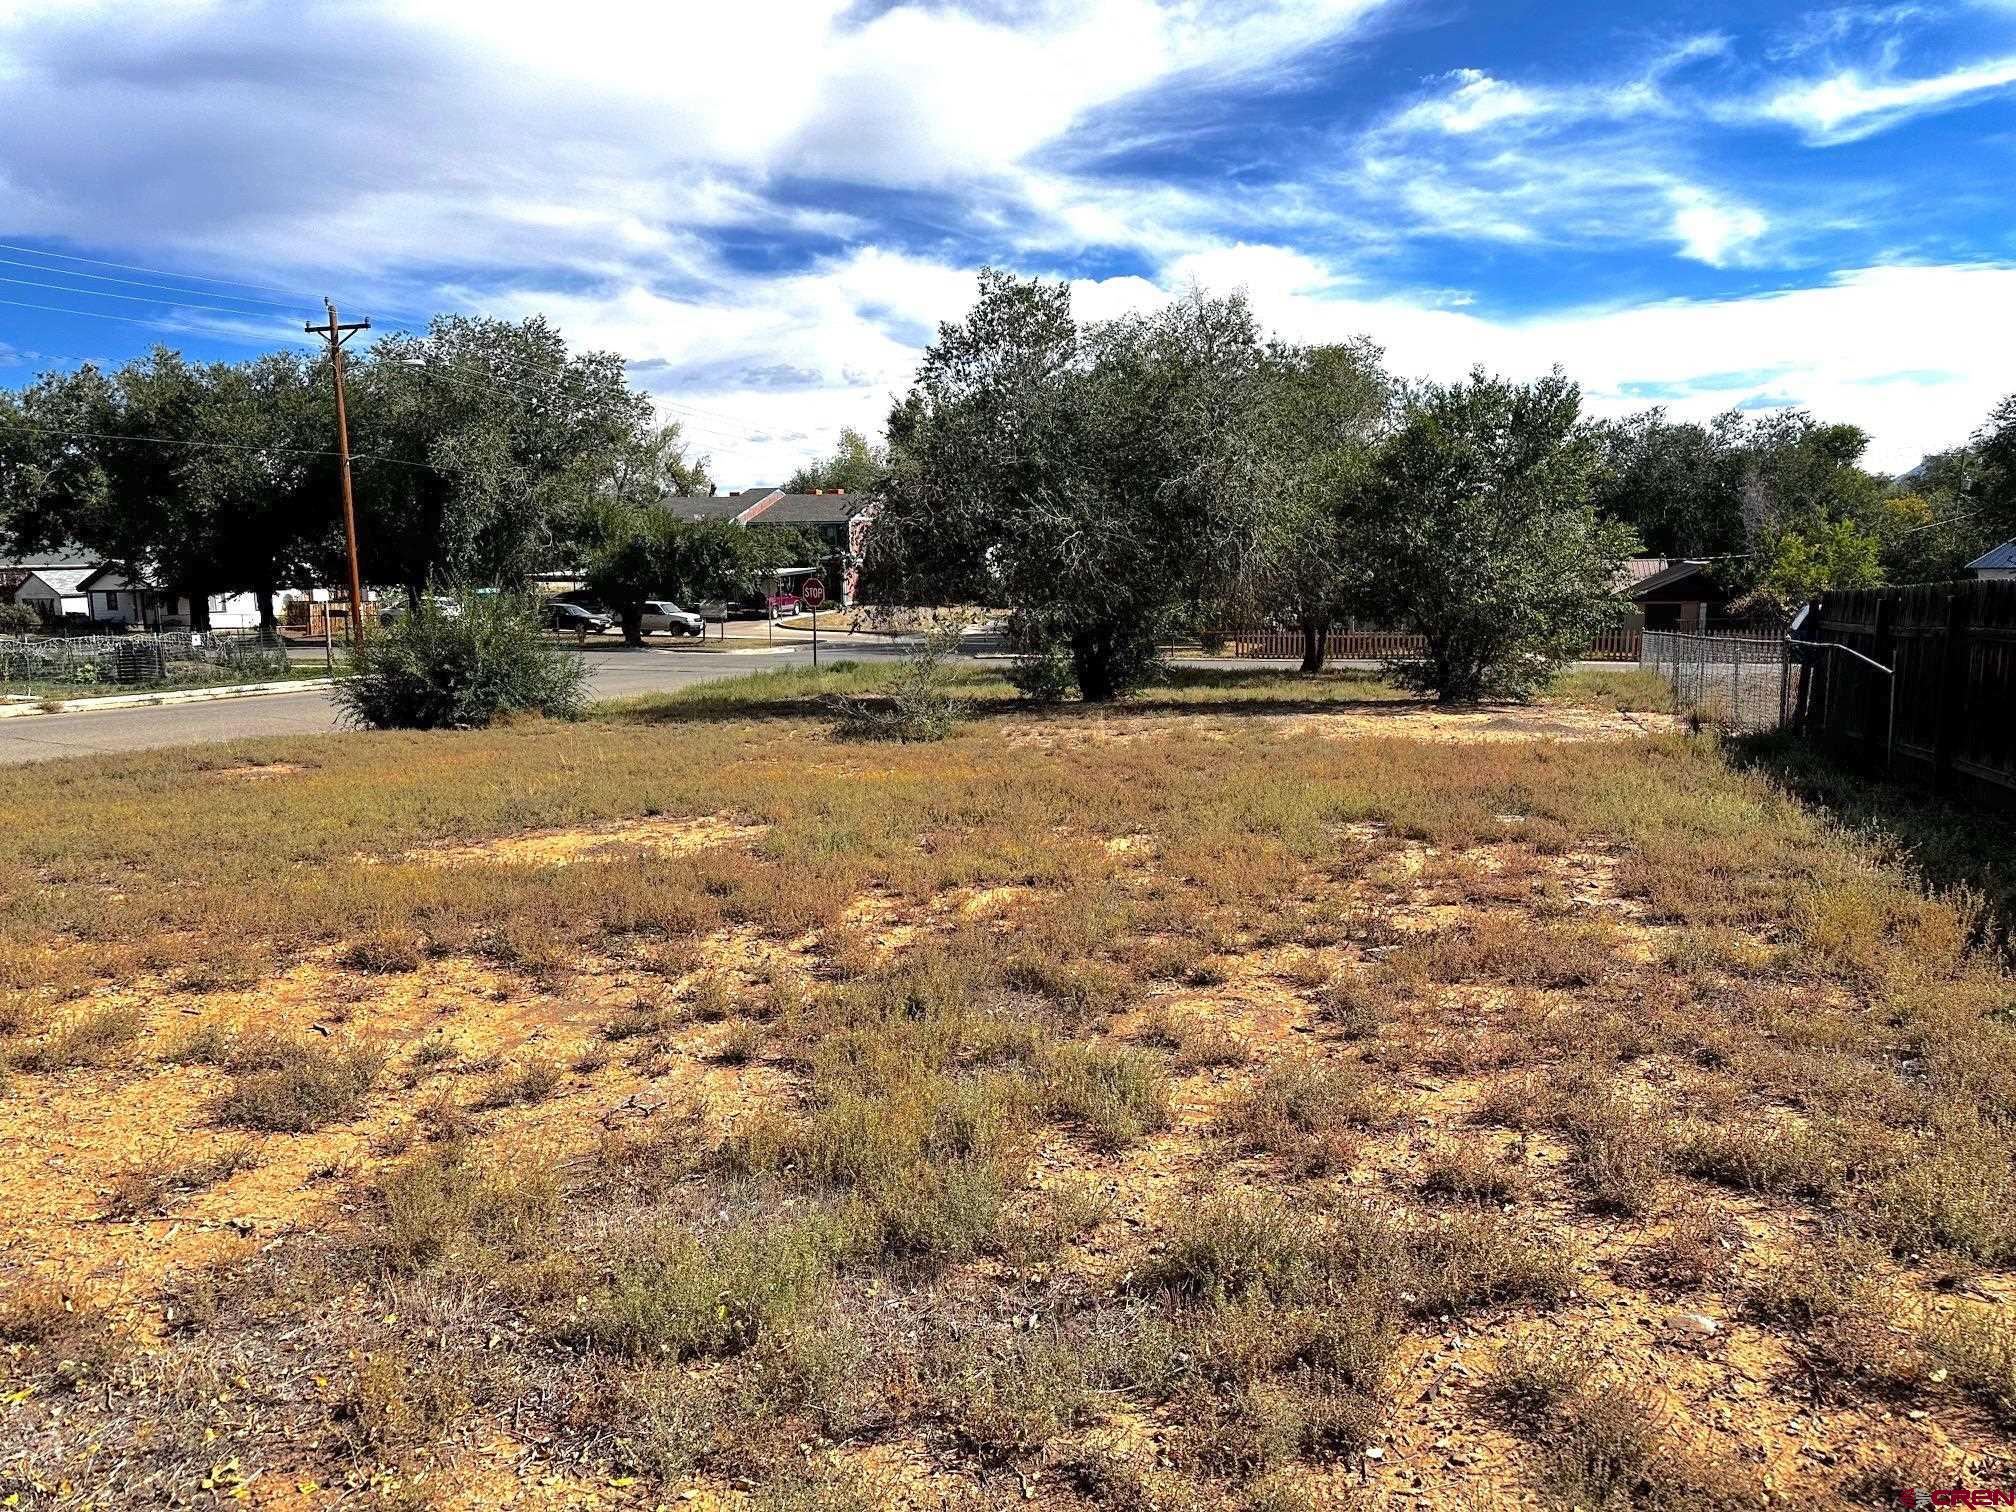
(163,700)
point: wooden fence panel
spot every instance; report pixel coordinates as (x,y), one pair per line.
(1953,647)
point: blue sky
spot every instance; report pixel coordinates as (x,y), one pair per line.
(767,207)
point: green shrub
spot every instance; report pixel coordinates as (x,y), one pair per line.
(1115,1095)
(1303,1109)
(460,665)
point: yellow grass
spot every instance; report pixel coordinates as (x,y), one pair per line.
(1169,1105)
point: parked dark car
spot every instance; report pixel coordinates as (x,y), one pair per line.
(574,617)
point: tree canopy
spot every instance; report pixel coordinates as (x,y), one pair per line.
(1094,480)
(1481,535)
(857,465)
(1323,409)
(482,452)
(638,551)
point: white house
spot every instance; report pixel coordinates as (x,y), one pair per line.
(115,600)
(48,581)
(54,591)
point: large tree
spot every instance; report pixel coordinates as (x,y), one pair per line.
(504,436)
(129,466)
(1666,479)
(1322,411)
(261,481)
(855,466)
(1481,536)
(481,448)
(637,552)
(1993,485)
(1098,482)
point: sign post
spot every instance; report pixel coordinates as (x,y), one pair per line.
(814,594)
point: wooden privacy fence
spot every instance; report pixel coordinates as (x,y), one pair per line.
(1388,645)
(1946,716)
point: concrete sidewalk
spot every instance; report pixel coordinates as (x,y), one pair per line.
(49,706)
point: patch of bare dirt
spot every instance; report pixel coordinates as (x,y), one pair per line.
(1486,723)
(561,847)
(254,772)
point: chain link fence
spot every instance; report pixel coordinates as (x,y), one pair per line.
(1741,682)
(143,661)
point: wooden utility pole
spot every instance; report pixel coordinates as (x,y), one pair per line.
(336,333)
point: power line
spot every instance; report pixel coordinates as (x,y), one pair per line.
(719,435)
(696,409)
(294,303)
(509,391)
(130,298)
(99,262)
(184,328)
(249,446)
(137,283)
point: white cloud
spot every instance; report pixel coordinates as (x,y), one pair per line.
(1477,101)
(593,131)
(1914,355)
(1714,233)
(1847,106)
(592,156)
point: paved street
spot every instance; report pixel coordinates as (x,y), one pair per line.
(613,674)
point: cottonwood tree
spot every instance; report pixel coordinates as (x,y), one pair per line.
(479,448)
(1672,481)
(638,552)
(1097,482)
(1993,486)
(1768,497)
(504,435)
(51,478)
(135,466)
(856,466)
(1323,407)
(1481,536)
(261,482)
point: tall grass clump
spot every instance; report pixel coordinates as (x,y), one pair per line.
(915,704)
(461,664)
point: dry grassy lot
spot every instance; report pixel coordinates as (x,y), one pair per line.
(1256,1096)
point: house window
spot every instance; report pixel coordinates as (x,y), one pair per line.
(1662,616)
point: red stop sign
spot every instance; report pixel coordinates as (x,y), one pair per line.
(812,592)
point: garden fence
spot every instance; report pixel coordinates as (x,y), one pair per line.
(1393,645)
(1737,681)
(140,660)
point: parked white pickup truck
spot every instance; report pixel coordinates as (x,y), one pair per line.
(663,614)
